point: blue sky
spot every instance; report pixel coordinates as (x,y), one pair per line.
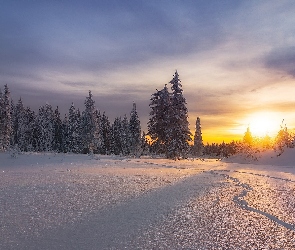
(235,58)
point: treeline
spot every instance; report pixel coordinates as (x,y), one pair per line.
(250,146)
(89,131)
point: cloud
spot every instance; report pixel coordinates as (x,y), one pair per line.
(75,36)
(281,59)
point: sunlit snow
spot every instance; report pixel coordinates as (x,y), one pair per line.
(68,201)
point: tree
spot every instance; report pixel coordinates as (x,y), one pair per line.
(106,134)
(248,139)
(66,135)
(5,115)
(19,125)
(74,132)
(158,123)
(46,128)
(57,131)
(97,134)
(116,147)
(178,127)
(29,132)
(134,132)
(88,124)
(198,140)
(125,136)
(283,138)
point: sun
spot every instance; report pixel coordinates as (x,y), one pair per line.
(263,123)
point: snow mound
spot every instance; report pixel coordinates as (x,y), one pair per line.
(269,157)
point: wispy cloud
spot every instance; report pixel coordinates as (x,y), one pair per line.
(282,60)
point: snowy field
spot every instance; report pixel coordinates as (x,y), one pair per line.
(64,201)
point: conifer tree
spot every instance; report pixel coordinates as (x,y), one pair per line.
(178,131)
(18,124)
(158,123)
(134,132)
(283,138)
(1,119)
(97,135)
(116,147)
(106,134)
(66,142)
(248,139)
(12,115)
(74,137)
(57,130)
(46,128)
(29,132)
(125,136)
(88,124)
(6,125)
(198,140)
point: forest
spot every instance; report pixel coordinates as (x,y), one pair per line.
(91,132)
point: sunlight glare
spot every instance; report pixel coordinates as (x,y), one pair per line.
(264,123)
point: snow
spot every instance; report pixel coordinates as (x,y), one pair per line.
(71,201)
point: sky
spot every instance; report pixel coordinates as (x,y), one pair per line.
(236,59)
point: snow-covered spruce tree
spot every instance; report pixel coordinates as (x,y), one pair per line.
(88,124)
(116,147)
(248,138)
(158,123)
(6,124)
(283,139)
(65,135)
(134,132)
(46,128)
(178,133)
(106,134)
(74,130)
(198,140)
(57,130)
(1,120)
(97,136)
(18,125)
(29,140)
(125,136)
(14,122)
(12,115)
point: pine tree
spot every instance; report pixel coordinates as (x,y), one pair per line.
(6,125)
(29,131)
(178,131)
(198,140)
(134,132)
(12,115)
(97,136)
(66,142)
(1,120)
(57,130)
(88,124)
(106,134)
(125,136)
(116,147)
(158,123)
(283,138)
(74,137)
(248,139)
(46,128)
(18,124)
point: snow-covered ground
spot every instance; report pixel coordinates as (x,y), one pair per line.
(64,201)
